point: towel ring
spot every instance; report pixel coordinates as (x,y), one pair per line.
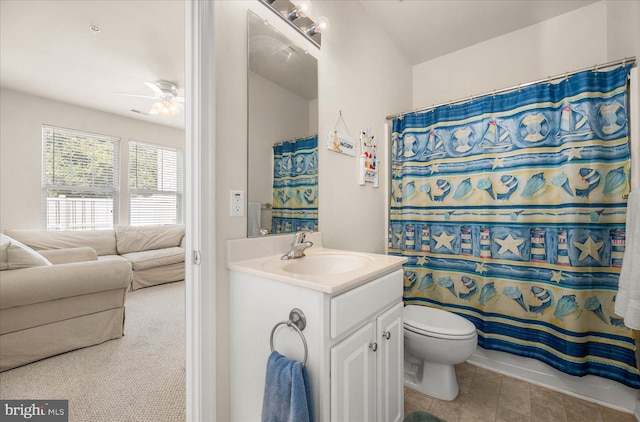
(298,322)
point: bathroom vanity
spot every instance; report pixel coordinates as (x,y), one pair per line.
(352,303)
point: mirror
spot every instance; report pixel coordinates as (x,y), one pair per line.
(282,130)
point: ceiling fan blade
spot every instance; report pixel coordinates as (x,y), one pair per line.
(155,88)
(150,113)
(178,100)
(135,95)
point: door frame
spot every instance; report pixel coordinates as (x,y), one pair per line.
(200,212)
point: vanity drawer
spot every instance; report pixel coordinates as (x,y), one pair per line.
(349,309)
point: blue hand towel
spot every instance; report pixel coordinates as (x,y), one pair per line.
(287,391)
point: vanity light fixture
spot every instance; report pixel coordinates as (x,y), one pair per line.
(297,13)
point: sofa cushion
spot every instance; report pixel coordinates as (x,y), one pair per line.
(155,258)
(67,255)
(14,255)
(40,284)
(144,238)
(103,241)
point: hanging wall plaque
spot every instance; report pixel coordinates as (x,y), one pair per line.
(368,158)
(341,142)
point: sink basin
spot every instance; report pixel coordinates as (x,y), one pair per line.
(327,264)
(322,269)
(322,264)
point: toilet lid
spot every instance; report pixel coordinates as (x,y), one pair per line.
(437,321)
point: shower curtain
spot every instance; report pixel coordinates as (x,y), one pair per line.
(295,185)
(511,210)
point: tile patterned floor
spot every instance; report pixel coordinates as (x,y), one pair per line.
(488,396)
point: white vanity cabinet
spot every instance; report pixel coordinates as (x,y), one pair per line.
(353,334)
(367,370)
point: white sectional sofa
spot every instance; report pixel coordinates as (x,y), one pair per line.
(156,253)
(57,301)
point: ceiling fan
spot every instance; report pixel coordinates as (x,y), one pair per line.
(166,95)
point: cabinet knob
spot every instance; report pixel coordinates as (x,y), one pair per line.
(386,335)
(373,346)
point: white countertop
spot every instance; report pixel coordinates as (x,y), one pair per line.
(273,268)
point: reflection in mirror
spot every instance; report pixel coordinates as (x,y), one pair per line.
(282,192)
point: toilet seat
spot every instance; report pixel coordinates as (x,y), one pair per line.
(434,322)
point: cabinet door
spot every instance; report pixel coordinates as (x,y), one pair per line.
(390,338)
(353,377)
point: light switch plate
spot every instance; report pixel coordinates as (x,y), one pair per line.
(236,200)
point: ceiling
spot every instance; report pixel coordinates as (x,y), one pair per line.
(47,48)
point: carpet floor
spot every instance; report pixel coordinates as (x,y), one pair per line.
(139,377)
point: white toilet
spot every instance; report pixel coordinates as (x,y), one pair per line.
(434,341)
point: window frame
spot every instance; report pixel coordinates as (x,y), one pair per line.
(49,137)
(179,181)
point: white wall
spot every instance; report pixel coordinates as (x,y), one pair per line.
(364,75)
(21,119)
(568,42)
(351,216)
(230,25)
(623,29)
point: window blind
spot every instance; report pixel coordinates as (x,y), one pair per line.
(156,184)
(80,179)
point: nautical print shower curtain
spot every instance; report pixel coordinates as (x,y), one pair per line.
(295,185)
(511,210)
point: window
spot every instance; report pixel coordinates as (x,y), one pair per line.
(155,184)
(80,179)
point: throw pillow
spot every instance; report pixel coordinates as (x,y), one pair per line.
(4,246)
(19,255)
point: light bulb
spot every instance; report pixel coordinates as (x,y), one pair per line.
(158,106)
(305,7)
(322,25)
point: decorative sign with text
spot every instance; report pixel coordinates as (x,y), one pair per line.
(339,142)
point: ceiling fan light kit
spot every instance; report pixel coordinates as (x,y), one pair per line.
(166,108)
(166,98)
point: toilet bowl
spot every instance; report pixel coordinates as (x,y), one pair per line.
(435,341)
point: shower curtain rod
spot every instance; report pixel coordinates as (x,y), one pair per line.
(513,88)
(275,144)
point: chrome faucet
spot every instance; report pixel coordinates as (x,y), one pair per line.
(298,245)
